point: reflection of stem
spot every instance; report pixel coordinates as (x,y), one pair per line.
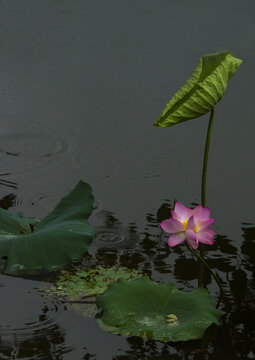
(5,258)
(208,267)
(203,189)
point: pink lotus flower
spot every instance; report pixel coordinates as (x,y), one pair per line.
(189,224)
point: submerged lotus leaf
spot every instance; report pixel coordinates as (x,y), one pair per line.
(77,284)
(29,246)
(158,311)
(81,282)
(202,90)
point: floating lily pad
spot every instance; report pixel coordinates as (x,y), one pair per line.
(158,311)
(29,246)
(73,287)
(202,90)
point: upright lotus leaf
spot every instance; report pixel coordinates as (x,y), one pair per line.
(76,287)
(202,90)
(158,311)
(29,247)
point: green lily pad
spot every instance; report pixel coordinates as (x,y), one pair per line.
(77,286)
(202,90)
(29,247)
(158,311)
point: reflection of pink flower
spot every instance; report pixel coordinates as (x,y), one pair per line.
(191,225)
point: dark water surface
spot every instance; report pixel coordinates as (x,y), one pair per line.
(81,83)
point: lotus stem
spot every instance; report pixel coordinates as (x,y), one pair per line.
(206,153)
(208,267)
(203,190)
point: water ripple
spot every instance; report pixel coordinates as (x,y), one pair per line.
(32,145)
(22,150)
(98,162)
(115,237)
(37,315)
(101,165)
(148,169)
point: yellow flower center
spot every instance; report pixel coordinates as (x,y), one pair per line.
(185,223)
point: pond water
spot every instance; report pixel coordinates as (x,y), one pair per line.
(81,83)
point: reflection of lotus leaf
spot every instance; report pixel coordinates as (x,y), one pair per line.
(32,247)
(73,285)
(144,308)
